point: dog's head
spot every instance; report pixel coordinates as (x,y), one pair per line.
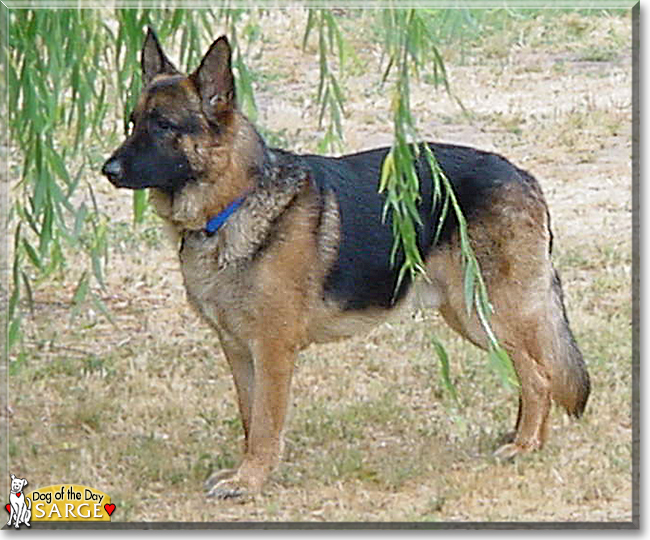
(17,484)
(178,121)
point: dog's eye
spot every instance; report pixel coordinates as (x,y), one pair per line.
(164,124)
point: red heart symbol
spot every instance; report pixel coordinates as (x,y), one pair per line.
(18,494)
(109,508)
(8,507)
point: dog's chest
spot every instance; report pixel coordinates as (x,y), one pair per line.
(220,293)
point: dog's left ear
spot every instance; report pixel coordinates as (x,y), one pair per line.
(215,81)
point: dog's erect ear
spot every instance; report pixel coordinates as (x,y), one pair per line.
(13,476)
(215,82)
(154,62)
(24,482)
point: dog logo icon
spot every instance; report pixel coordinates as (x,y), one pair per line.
(20,508)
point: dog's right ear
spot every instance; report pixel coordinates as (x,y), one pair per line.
(154,62)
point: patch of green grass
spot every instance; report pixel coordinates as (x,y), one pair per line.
(150,455)
(18,363)
(322,425)
(14,449)
(512,123)
(89,416)
(613,258)
(571,257)
(126,504)
(60,367)
(82,413)
(432,509)
(597,53)
(95,365)
(583,132)
(602,348)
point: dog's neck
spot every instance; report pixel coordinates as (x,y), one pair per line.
(251,219)
(277,178)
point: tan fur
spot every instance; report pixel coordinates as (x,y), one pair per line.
(261,312)
(517,270)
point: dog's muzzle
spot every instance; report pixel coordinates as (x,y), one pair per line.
(113,170)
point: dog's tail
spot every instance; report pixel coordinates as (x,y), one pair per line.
(570,384)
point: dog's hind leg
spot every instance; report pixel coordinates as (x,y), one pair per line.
(532,372)
(511,240)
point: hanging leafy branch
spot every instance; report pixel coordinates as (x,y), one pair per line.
(45,72)
(410,48)
(329,96)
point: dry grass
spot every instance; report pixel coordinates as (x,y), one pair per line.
(144,410)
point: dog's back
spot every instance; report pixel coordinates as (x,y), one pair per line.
(363,275)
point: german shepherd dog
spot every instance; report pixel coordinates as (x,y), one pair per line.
(279,250)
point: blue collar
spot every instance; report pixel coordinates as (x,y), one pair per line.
(216,222)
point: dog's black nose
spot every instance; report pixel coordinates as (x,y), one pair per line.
(112,170)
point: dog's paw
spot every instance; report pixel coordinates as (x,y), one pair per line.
(217,477)
(510,451)
(231,488)
(507,452)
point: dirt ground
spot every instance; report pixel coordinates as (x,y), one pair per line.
(145,409)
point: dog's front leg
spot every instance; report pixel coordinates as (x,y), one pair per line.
(273,369)
(241,364)
(15,514)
